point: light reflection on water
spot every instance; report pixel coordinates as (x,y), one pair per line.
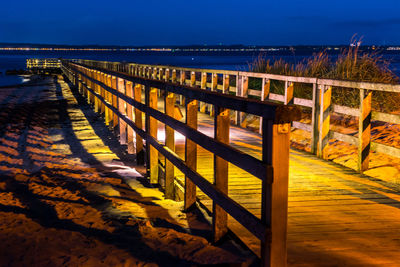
(228,60)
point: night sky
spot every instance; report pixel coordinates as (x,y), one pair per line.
(169,22)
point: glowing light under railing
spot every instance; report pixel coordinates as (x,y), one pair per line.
(178,136)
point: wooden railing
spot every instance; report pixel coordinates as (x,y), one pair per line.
(237,83)
(43,63)
(116,91)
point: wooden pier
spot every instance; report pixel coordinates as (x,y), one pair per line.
(242,177)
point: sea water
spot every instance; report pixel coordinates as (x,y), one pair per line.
(11,60)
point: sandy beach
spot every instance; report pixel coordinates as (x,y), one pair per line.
(71,196)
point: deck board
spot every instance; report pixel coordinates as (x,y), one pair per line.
(336,216)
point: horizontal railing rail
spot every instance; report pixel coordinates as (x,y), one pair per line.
(237,83)
(43,63)
(117,95)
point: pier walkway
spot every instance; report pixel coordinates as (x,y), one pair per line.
(335,216)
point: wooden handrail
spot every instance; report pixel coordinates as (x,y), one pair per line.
(272,169)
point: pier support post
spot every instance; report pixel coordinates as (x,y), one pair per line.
(122,110)
(151,128)
(274,208)
(169,104)
(190,152)
(221,134)
(114,100)
(129,113)
(138,122)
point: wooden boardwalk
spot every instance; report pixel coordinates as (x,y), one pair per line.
(337,217)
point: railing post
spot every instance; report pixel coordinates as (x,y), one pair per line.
(244,93)
(108,110)
(169,104)
(316,98)
(151,129)
(103,80)
(239,79)
(324,120)
(221,134)
(122,110)
(190,152)
(193,79)
(214,86)
(203,85)
(173,76)
(289,88)
(138,122)
(114,101)
(167,75)
(265,89)
(274,208)
(225,85)
(129,113)
(364,130)
(97,90)
(182,81)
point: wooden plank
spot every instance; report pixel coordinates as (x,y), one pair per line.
(151,101)
(221,134)
(169,105)
(390,118)
(388,150)
(316,99)
(364,130)
(114,100)
(265,90)
(129,113)
(324,121)
(276,145)
(139,124)
(346,110)
(302,126)
(190,154)
(122,110)
(344,137)
(252,106)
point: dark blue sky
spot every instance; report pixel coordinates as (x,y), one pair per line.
(152,22)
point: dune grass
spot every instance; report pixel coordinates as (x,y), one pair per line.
(351,64)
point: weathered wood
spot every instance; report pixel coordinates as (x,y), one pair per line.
(289,90)
(265,90)
(244,93)
(182,79)
(238,158)
(114,100)
(151,123)
(221,133)
(225,85)
(214,85)
(129,113)
(390,118)
(139,124)
(364,130)
(190,153)
(275,195)
(324,121)
(173,78)
(346,110)
(316,98)
(203,85)
(169,104)
(122,110)
(108,116)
